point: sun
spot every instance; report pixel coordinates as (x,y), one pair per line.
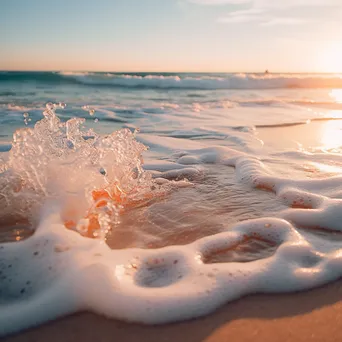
(332,58)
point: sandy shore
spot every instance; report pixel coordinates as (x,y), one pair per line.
(313,315)
(316,134)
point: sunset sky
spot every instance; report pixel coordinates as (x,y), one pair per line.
(171,35)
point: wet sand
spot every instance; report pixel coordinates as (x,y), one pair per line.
(313,315)
(320,134)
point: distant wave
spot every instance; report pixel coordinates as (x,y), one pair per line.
(297,123)
(280,102)
(180,81)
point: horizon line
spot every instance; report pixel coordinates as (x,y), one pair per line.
(174,72)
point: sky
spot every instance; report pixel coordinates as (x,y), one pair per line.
(171,35)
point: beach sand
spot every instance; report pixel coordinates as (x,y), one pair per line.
(313,315)
(315,134)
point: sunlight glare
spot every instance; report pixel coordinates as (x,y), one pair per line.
(327,168)
(336,94)
(332,135)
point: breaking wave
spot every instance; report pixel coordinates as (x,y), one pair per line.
(61,162)
(180,81)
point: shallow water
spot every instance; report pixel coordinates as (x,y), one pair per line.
(212,204)
(240,185)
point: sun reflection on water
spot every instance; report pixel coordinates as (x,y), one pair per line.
(333,169)
(331,138)
(336,95)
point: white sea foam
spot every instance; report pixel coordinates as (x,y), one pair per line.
(60,272)
(228,81)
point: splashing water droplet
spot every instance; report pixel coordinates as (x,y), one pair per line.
(88,109)
(26,118)
(96,120)
(50,106)
(136,131)
(112,177)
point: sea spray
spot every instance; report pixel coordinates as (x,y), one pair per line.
(63,162)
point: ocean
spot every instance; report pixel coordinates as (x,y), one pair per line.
(157,197)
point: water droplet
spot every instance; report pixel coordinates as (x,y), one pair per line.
(87,108)
(50,106)
(96,120)
(26,118)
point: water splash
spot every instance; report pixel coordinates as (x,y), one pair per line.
(27,118)
(92,178)
(89,109)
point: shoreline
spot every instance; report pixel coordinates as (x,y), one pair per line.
(312,315)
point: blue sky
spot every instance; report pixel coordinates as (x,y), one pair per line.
(171,35)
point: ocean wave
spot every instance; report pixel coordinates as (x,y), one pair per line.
(298,123)
(281,102)
(180,81)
